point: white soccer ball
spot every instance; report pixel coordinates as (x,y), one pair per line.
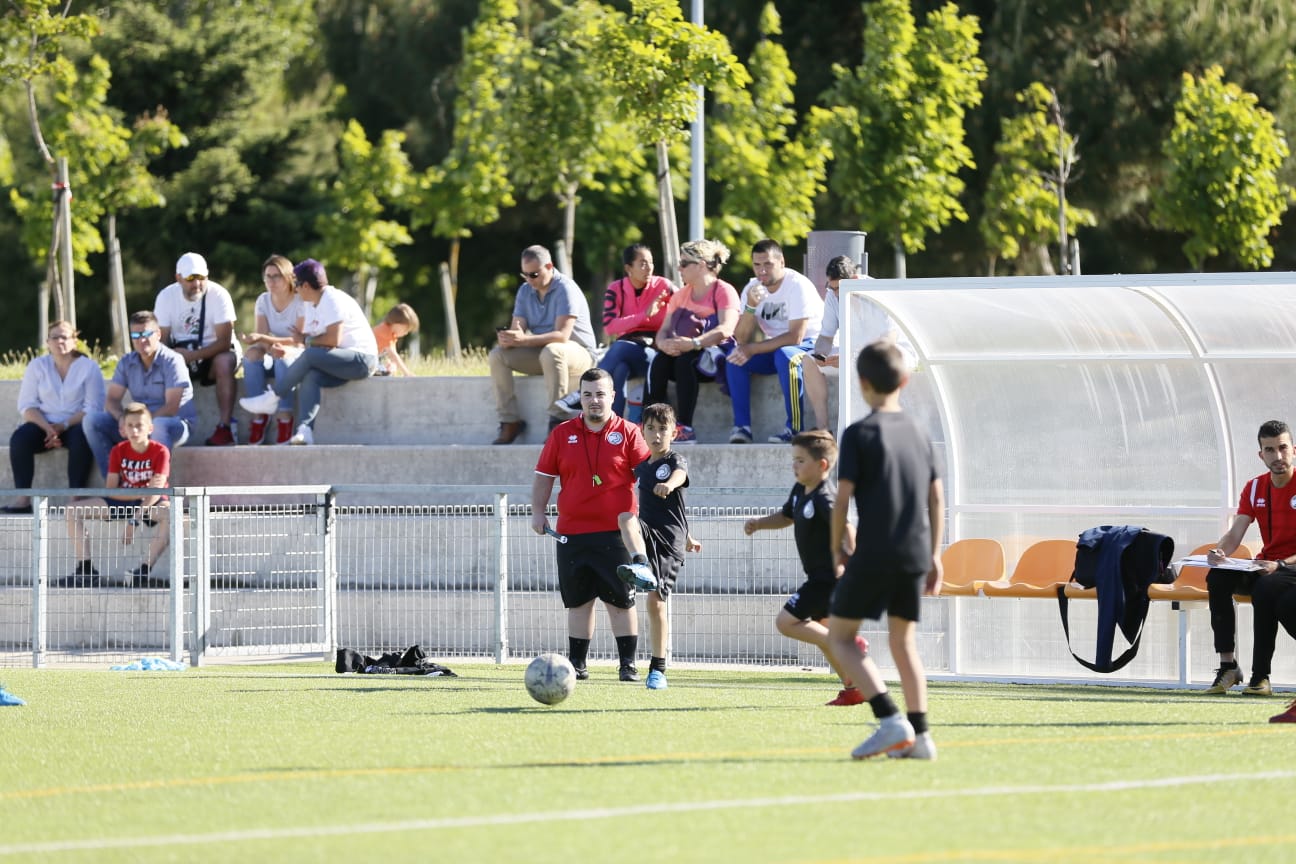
(550,678)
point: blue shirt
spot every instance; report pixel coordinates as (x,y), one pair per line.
(149,385)
(563,298)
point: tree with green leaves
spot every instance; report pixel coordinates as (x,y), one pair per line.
(1222,186)
(1033,161)
(354,236)
(653,58)
(898,122)
(568,137)
(769,172)
(470,187)
(34,40)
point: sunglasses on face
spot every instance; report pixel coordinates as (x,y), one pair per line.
(195,278)
(535,275)
(141,334)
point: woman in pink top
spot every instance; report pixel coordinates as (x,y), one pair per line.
(634,308)
(713,303)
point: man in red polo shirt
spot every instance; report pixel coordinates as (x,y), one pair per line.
(594,456)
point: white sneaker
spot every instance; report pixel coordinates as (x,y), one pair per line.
(303,435)
(893,733)
(266,403)
(923,747)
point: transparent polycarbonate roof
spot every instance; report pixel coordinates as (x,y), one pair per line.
(1059,403)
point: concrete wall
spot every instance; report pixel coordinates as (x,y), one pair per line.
(434,431)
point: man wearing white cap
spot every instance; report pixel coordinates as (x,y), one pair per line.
(197,320)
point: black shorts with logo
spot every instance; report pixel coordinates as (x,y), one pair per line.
(811,601)
(587,565)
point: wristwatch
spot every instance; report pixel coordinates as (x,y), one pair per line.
(697,344)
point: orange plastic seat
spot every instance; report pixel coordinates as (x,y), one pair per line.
(1190,585)
(1042,567)
(969,564)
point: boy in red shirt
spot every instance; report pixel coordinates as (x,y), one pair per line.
(136,463)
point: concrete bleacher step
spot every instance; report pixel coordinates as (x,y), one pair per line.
(461,410)
(436,431)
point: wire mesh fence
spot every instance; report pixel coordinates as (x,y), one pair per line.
(267,572)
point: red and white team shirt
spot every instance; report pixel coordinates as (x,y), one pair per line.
(136,469)
(1274,510)
(596,472)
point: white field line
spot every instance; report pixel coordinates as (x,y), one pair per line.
(623,812)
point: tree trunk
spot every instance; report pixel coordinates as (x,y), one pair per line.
(67,276)
(451,316)
(900,271)
(569,220)
(666,210)
(117,291)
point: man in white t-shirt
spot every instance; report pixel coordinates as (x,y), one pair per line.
(870,324)
(786,308)
(340,347)
(196,317)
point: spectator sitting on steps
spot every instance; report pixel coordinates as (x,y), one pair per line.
(549,334)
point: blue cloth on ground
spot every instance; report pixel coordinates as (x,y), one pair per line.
(151,664)
(7,698)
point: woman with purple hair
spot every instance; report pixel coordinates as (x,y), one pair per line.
(340,347)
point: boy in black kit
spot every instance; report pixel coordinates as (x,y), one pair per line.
(888,466)
(659,536)
(809,510)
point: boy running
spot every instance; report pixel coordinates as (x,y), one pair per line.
(658,538)
(809,510)
(887,465)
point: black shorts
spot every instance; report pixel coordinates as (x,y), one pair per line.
(587,565)
(666,561)
(810,602)
(864,591)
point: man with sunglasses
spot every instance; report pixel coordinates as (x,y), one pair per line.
(197,319)
(154,375)
(548,334)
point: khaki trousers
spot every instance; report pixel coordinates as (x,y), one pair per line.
(561,364)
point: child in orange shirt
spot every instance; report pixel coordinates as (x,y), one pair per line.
(401,321)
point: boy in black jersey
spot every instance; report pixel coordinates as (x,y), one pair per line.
(659,536)
(889,468)
(809,510)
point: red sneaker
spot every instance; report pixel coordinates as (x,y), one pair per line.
(1288,716)
(284,432)
(256,431)
(848,696)
(222,437)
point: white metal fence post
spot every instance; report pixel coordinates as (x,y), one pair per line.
(328,581)
(40,579)
(499,539)
(176,570)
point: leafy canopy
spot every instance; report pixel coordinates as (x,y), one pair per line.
(1222,187)
(898,120)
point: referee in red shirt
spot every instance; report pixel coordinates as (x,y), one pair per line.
(594,455)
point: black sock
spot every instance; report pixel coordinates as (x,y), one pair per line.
(627,647)
(658,663)
(918,720)
(577,651)
(639,559)
(883,706)
(1224,664)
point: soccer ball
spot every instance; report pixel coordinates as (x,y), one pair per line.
(550,678)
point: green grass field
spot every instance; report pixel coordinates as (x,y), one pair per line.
(296,763)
